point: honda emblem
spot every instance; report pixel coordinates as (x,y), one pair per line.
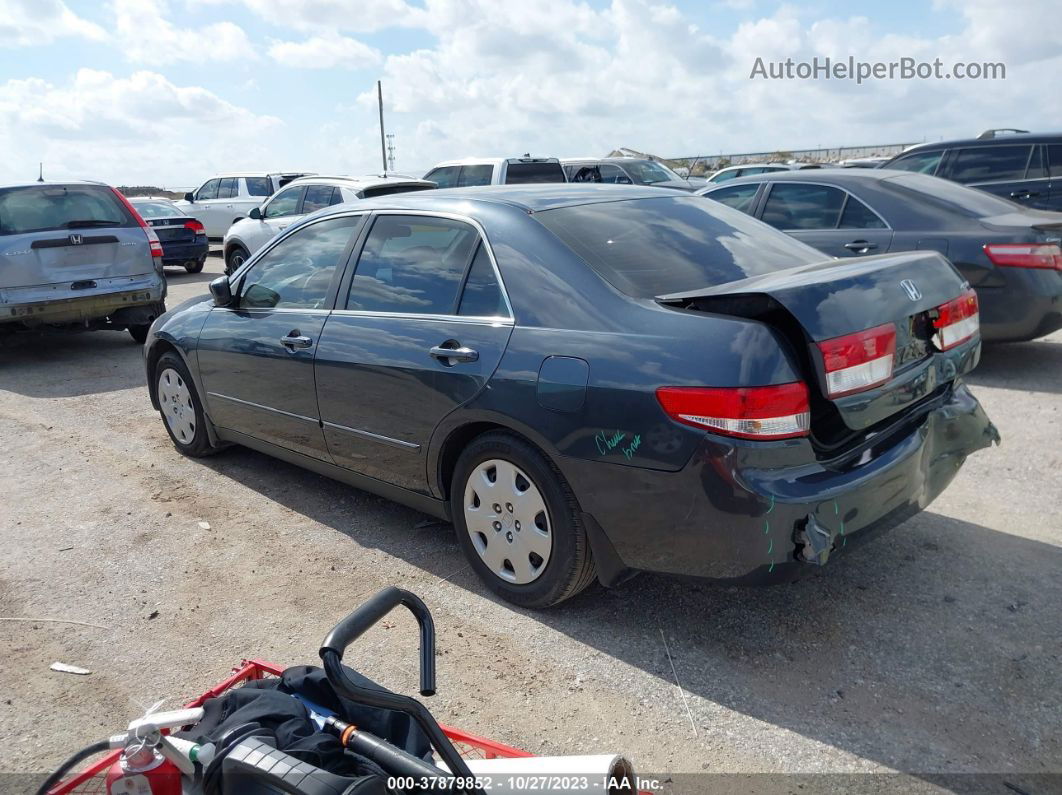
(76,240)
(911,289)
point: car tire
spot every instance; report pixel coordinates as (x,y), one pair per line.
(195,266)
(234,258)
(180,407)
(542,554)
(139,332)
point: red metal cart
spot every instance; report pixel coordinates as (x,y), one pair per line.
(91,779)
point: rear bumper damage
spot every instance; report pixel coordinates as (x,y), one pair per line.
(770,511)
(127,300)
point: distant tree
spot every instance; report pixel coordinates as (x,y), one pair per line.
(782,157)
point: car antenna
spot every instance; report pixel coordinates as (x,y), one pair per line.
(40,173)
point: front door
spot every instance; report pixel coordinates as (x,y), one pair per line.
(827,218)
(420,329)
(256,358)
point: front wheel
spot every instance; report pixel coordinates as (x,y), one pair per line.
(234,258)
(179,405)
(518,522)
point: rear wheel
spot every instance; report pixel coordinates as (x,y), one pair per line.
(518,522)
(179,405)
(196,265)
(139,332)
(234,258)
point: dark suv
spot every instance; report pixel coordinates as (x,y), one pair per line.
(1020,166)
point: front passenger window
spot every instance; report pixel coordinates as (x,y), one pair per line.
(284,203)
(209,190)
(297,272)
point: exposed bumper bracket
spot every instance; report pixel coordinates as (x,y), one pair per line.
(814,542)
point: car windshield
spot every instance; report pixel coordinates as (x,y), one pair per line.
(648,172)
(651,247)
(157,209)
(970,202)
(40,208)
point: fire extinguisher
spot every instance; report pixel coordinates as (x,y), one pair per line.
(142,770)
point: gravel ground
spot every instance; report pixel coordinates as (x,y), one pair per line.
(932,650)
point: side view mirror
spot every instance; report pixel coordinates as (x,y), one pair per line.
(189,197)
(255,213)
(222,291)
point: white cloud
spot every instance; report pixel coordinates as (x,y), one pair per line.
(25,23)
(328,15)
(328,51)
(146,34)
(126,129)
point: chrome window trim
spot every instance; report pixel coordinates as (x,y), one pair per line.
(847,194)
(264,408)
(480,320)
(375,437)
(451,217)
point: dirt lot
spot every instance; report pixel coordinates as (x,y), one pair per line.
(935,649)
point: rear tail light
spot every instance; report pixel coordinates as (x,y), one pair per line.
(195,226)
(758,412)
(153,239)
(956,321)
(1025,255)
(859,361)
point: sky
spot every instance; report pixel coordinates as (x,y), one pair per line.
(168,92)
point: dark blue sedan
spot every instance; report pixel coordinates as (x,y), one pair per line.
(588,380)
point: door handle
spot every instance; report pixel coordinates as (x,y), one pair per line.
(449,355)
(1023,194)
(860,245)
(295,340)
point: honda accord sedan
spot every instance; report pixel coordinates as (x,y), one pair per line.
(588,380)
(1010,254)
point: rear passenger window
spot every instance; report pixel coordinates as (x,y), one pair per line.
(229,187)
(796,206)
(259,186)
(445,177)
(482,296)
(1054,160)
(737,196)
(412,264)
(317,196)
(987,163)
(475,175)
(857,215)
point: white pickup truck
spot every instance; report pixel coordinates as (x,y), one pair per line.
(224,199)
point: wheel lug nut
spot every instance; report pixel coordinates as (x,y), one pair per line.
(497,508)
(497,525)
(509,507)
(517,525)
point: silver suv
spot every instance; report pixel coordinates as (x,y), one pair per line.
(77,255)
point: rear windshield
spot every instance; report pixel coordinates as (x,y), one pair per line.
(524,173)
(651,247)
(157,210)
(970,202)
(42,208)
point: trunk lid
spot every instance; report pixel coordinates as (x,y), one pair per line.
(815,303)
(172,230)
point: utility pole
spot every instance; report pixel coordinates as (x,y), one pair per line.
(383,145)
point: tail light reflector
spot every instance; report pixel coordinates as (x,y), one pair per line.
(153,242)
(859,361)
(195,226)
(1025,255)
(758,412)
(956,321)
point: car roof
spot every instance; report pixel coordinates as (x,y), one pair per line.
(999,140)
(572,160)
(493,161)
(230,174)
(527,198)
(366,181)
(850,175)
(150,199)
(53,183)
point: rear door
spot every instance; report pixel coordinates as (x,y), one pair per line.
(76,236)
(826,217)
(1054,172)
(256,358)
(1000,169)
(419,327)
